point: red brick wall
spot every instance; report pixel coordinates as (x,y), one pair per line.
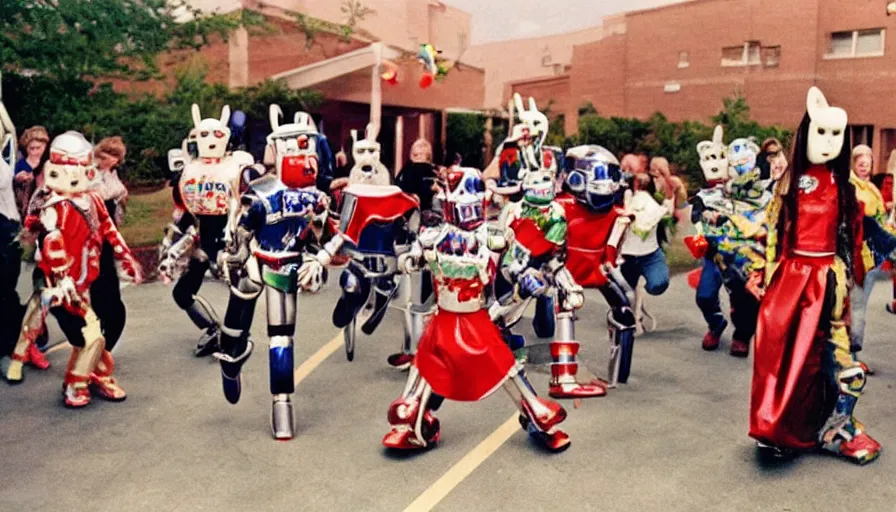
(285,49)
(552,93)
(597,77)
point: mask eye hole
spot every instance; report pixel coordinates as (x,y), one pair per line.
(219,134)
(822,131)
(837,133)
(203,134)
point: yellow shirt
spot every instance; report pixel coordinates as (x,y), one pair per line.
(870,196)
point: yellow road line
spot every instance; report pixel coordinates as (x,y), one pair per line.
(318,357)
(460,471)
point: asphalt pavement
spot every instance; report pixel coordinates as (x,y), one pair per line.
(674,438)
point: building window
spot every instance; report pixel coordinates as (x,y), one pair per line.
(856,43)
(771,56)
(684,60)
(749,54)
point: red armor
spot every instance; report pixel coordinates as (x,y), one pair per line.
(589,240)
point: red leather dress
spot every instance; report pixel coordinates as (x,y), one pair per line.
(787,406)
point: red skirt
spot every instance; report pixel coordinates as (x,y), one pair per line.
(787,404)
(463,356)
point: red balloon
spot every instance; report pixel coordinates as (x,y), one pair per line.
(426,80)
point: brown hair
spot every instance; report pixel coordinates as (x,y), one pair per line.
(112,146)
(35,133)
(769,142)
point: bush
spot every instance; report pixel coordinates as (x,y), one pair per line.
(150,125)
(657,136)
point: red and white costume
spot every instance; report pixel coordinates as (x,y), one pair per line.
(76,223)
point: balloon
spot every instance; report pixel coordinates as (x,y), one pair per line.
(426,80)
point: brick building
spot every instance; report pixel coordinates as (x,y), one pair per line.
(682,59)
(341,69)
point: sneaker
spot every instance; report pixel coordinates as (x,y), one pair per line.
(739,348)
(712,338)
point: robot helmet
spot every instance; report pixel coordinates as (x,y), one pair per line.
(464,193)
(70,169)
(714,158)
(294,149)
(742,157)
(210,136)
(594,176)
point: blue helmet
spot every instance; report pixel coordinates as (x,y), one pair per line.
(594,176)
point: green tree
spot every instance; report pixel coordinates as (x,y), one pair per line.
(76,39)
(466,135)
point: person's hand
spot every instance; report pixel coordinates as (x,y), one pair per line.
(24,177)
(339,183)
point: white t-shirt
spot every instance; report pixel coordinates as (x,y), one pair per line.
(7,195)
(641,236)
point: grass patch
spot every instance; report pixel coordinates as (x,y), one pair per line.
(145,218)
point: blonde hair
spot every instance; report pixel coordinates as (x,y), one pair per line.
(861,150)
(422,146)
(35,133)
(661,162)
(112,146)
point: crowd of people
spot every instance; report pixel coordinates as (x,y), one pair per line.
(798,272)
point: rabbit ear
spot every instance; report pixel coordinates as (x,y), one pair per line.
(225,115)
(197,116)
(274,114)
(704,147)
(717,135)
(816,102)
(354,136)
(371,132)
(532,106)
(518,103)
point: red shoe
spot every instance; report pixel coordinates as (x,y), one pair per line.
(711,341)
(739,348)
(36,358)
(576,390)
(557,441)
(403,437)
(867,369)
(77,395)
(400,361)
(554,415)
(862,449)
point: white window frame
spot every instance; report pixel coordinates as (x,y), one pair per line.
(855,44)
(745,56)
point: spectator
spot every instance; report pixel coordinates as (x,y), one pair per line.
(10,267)
(109,155)
(641,250)
(33,144)
(419,177)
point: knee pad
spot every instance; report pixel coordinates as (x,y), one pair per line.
(851,381)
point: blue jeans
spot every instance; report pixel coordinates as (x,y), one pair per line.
(858,299)
(708,295)
(652,266)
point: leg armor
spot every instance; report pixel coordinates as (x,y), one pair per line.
(565,366)
(418,306)
(83,362)
(355,291)
(197,308)
(539,417)
(236,347)
(842,433)
(545,320)
(102,383)
(26,350)
(281,308)
(413,425)
(621,328)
